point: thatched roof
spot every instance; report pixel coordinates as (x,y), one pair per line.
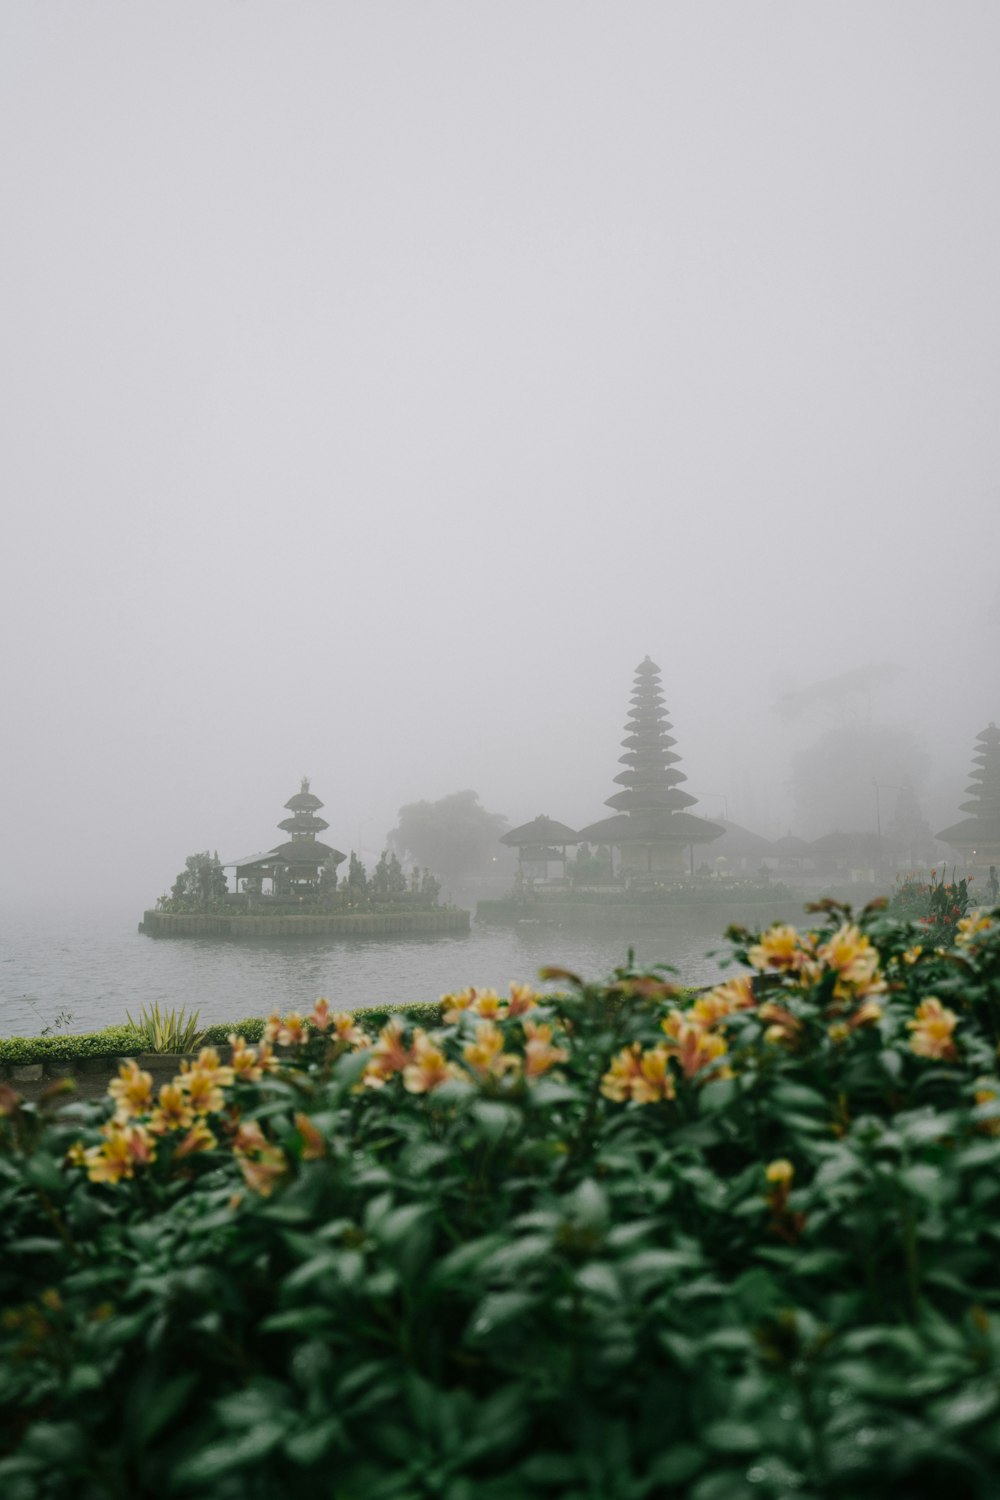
(656,826)
(300,852)
(971,831)
(541,830)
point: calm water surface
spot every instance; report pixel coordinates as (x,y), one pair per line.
(96,966)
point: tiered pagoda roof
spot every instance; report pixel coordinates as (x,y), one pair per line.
(650,806)
(304,824)
(302,853)
(982,827)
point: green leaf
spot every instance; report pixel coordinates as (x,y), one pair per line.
(727,1436)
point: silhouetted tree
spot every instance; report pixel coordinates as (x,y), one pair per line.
(453,836)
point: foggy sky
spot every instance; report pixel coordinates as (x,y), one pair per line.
(381,382)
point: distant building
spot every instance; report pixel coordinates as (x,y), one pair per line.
(292,868)
(653,833)
(978,836)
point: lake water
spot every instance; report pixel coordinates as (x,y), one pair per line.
(96,966)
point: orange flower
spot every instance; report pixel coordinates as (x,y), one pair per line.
(783,1027)
(198,1138)
(968,927)
(208,1061)
(429,1068)
(272,1027)
(522,999)
(173,1112)
(932,1030)
(132,1091)
(539,1053)
(263,1172)
(313,1139)
(489,1005)
(454,1006)
(645,1077)
(853,959)
(696,1049)
(249,1138)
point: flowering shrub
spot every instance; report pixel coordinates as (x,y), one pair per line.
(619,1243)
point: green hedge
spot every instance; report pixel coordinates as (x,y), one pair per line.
(126,1041)
(615,1246)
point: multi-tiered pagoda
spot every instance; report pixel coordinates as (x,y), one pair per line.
(651,828)
(978,836)
(292,868)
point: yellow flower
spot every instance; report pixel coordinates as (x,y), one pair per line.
(838,1032)
(244,1060)
(987,1093)
(429,1068)
(454,1006)
(644,1076)
(272,1027)
(489,1005)
(932,1030)
(293,1031)
(625,1068)
(204,1094)
(912,954)
(867,1013)
(539,1053)
(977,921)
(781,947)
(124,1148)
(780,1172)
(132,1091)
(485,1055)
(696,1049)
(173,1111)
(853,959)
(347,1032)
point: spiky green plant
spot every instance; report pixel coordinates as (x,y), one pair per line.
(167,1031)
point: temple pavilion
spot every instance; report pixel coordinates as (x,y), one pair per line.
(650,827)
(978,835)
(541,845)
(291,868)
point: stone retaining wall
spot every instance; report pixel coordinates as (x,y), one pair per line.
(359,924)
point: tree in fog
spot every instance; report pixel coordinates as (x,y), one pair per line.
(202,880)
(453,836)
(849,777)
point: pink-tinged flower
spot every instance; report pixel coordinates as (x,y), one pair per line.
(249,1138)
(932,1030)
(389,1056)
(244,1061)
(782,948)
(313,1139)
(263,1172)
(485,1056)
(728,998)
(539,1053)
(429,1067)
(132,1091)
(266,1057)
(320,1016)
(347,1032)
(294,1031)
(198,1138)
(172,1112)
(522,999)
(208,1061)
